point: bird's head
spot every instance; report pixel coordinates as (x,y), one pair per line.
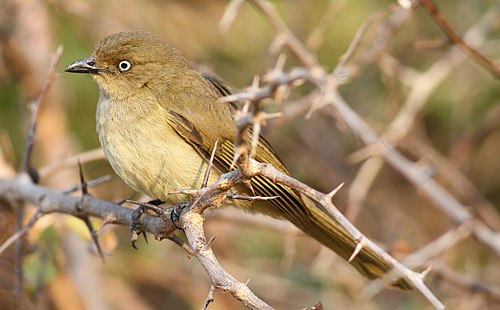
(124,62)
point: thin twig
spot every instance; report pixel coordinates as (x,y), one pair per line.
(230,14)
(20,233)
(84,157)
(467,283)
(175,239)
(457,39)
(34,108)
(210,298)
(317,34)
(296,47)
(457,180)
(91,183)
(356,41)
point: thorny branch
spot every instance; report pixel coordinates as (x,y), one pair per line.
(330,96)
(22,189)
(25,167)
(49,201)
(421,87)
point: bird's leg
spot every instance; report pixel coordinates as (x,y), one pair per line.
(135,224)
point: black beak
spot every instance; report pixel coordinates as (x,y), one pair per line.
(85,65)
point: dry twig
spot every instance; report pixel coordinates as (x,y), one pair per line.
(456,38)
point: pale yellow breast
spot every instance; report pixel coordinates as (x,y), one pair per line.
(145,151)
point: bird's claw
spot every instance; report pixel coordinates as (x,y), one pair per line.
(176,213)
(135,223)
(152,207)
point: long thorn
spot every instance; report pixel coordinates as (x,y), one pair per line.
(209,166)
(95,239)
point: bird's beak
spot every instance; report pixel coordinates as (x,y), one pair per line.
(85,65)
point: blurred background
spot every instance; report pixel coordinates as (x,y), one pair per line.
(456,132)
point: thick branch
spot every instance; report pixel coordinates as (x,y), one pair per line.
(21,188)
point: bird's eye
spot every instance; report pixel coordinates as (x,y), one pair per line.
(124,65)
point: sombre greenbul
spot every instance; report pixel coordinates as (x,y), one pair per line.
(158,120)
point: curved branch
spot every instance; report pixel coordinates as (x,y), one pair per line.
(192,223)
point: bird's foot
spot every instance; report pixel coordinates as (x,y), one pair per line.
(135,223)
(176,213)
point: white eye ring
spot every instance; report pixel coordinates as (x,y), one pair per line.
(124,66)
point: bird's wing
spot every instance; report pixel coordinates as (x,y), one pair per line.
(223,159)
(288,200)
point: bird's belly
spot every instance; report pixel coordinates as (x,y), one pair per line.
(149,155)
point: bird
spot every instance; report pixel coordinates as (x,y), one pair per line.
(158,120)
